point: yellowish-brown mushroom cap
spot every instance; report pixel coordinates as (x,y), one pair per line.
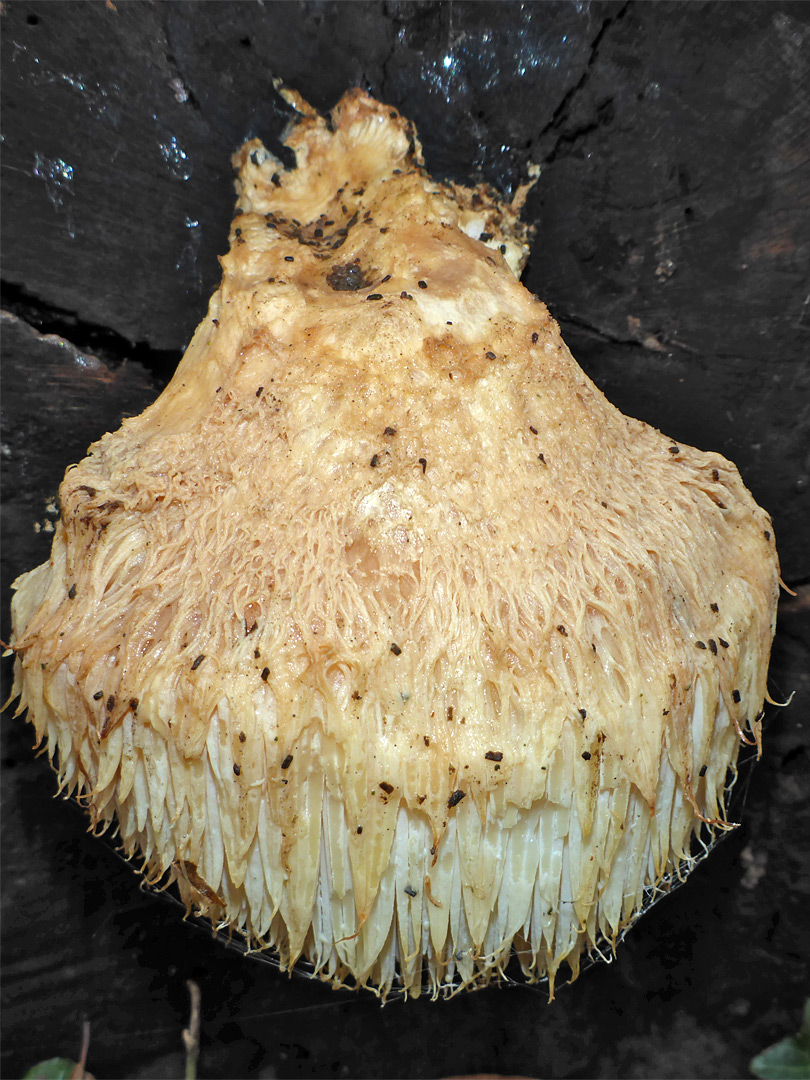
(381,632)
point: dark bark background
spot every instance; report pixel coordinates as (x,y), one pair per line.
(673,243)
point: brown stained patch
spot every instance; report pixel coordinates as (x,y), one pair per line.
(780,244)
(429,892)
(189,871)
(252,614)
(449,352)
(80,510)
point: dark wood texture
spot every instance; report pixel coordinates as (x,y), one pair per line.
(673,243)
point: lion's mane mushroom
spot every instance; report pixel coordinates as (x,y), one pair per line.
(381,631)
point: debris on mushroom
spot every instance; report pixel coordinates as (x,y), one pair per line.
(381,633)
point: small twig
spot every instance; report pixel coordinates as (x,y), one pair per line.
(191,1034)
(80,1070)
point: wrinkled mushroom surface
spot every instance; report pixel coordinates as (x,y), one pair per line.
(381,631)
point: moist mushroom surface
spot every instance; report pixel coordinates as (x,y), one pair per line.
(381,632)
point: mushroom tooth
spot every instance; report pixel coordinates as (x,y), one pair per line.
(270,848)
(300,804)
(126,776)
(332,888)
(337,910)
(410,895)
(375,944)
(109,765)
(481,857)
(549,880)
(140,794)
(157,771)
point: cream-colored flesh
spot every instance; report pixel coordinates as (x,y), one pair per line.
(383,597)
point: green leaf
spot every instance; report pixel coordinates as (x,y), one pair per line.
(788,1059)
(52,1069)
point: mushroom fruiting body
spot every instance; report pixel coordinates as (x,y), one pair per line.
(381,632)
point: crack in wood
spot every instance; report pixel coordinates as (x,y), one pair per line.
(563,110)
(86,336)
